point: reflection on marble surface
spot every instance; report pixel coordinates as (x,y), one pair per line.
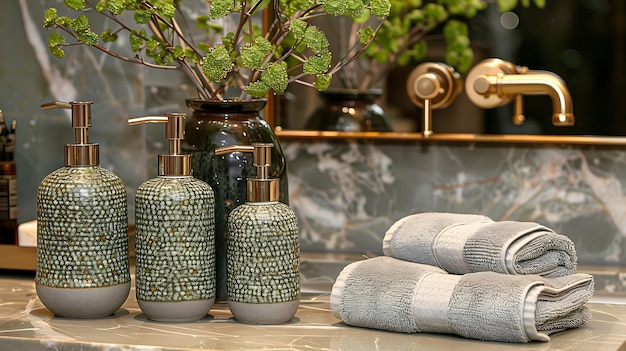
(26,325)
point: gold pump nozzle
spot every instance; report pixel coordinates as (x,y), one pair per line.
(81,153)
(262,188)
(175,163)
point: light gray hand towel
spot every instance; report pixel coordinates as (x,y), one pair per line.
(465,243)
(390,294)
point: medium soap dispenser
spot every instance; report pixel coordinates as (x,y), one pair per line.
(175,235)
(82,230)
(263,251)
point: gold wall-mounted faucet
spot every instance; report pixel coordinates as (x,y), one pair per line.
(432,85)
(494,82)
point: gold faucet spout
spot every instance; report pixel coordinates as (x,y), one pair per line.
(496,82)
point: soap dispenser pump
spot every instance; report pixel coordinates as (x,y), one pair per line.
(175,235)
(82,230)
(262,246)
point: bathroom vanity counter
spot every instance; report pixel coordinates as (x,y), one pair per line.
(26,325)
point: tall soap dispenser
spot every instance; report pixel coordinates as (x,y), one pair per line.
(82,230)
(263,251)
(175,235)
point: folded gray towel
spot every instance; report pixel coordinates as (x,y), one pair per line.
(390,294)
(465,243)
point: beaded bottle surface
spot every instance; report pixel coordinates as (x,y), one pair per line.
(263,260)
(175,248)
(82,240)
(219,123)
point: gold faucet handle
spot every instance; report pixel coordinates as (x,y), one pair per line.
(481,83)
(431,86)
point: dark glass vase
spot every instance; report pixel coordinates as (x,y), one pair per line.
(349,111)
(214,124)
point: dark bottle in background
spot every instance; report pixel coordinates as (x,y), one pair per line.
(8,184)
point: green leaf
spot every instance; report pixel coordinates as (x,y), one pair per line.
(453,30)
(380,8)
(507,5)
(80,24)
(64,21)
(317,64)
(191,55)
(466,58)
(252,56)
(276,77)
(75,4)
(335,7)
(322,81)
(49,17)
(436,12)
(298,29)
(355,8)
(101,6)
(316,40)
(217,63)
(415,16)
(136,40)
(55,41)
(221,8)
(116,6)
(88,37)
(364,18)
(179,53)
(108,36)
(419,50)
(202,46)
(153,47)
(166,10)
(257,89)
(228,41)
(365,35)
(143,16)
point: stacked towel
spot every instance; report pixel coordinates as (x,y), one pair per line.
(390,294)
(464,243)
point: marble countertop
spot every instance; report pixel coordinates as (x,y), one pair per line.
(25,324)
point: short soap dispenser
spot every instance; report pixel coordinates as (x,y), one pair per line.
(263,251)
(175,235)
(82,230)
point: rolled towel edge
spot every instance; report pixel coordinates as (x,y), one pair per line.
(387,247)
(338,288)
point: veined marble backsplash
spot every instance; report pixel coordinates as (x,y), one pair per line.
(346,193)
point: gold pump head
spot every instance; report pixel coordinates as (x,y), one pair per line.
(262,188)
(81,153)
(174,163)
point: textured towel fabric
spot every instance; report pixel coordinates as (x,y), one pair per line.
(465,243)
(390,294)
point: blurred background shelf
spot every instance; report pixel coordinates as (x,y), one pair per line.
(18,258)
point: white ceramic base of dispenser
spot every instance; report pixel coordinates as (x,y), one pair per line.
(180,311)
(264,313)
(83,303)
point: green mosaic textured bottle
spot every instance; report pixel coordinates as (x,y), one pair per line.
(175,235)
(263,251)
(82,230)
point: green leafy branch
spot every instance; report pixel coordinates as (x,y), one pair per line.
(403,37)
(246,58)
